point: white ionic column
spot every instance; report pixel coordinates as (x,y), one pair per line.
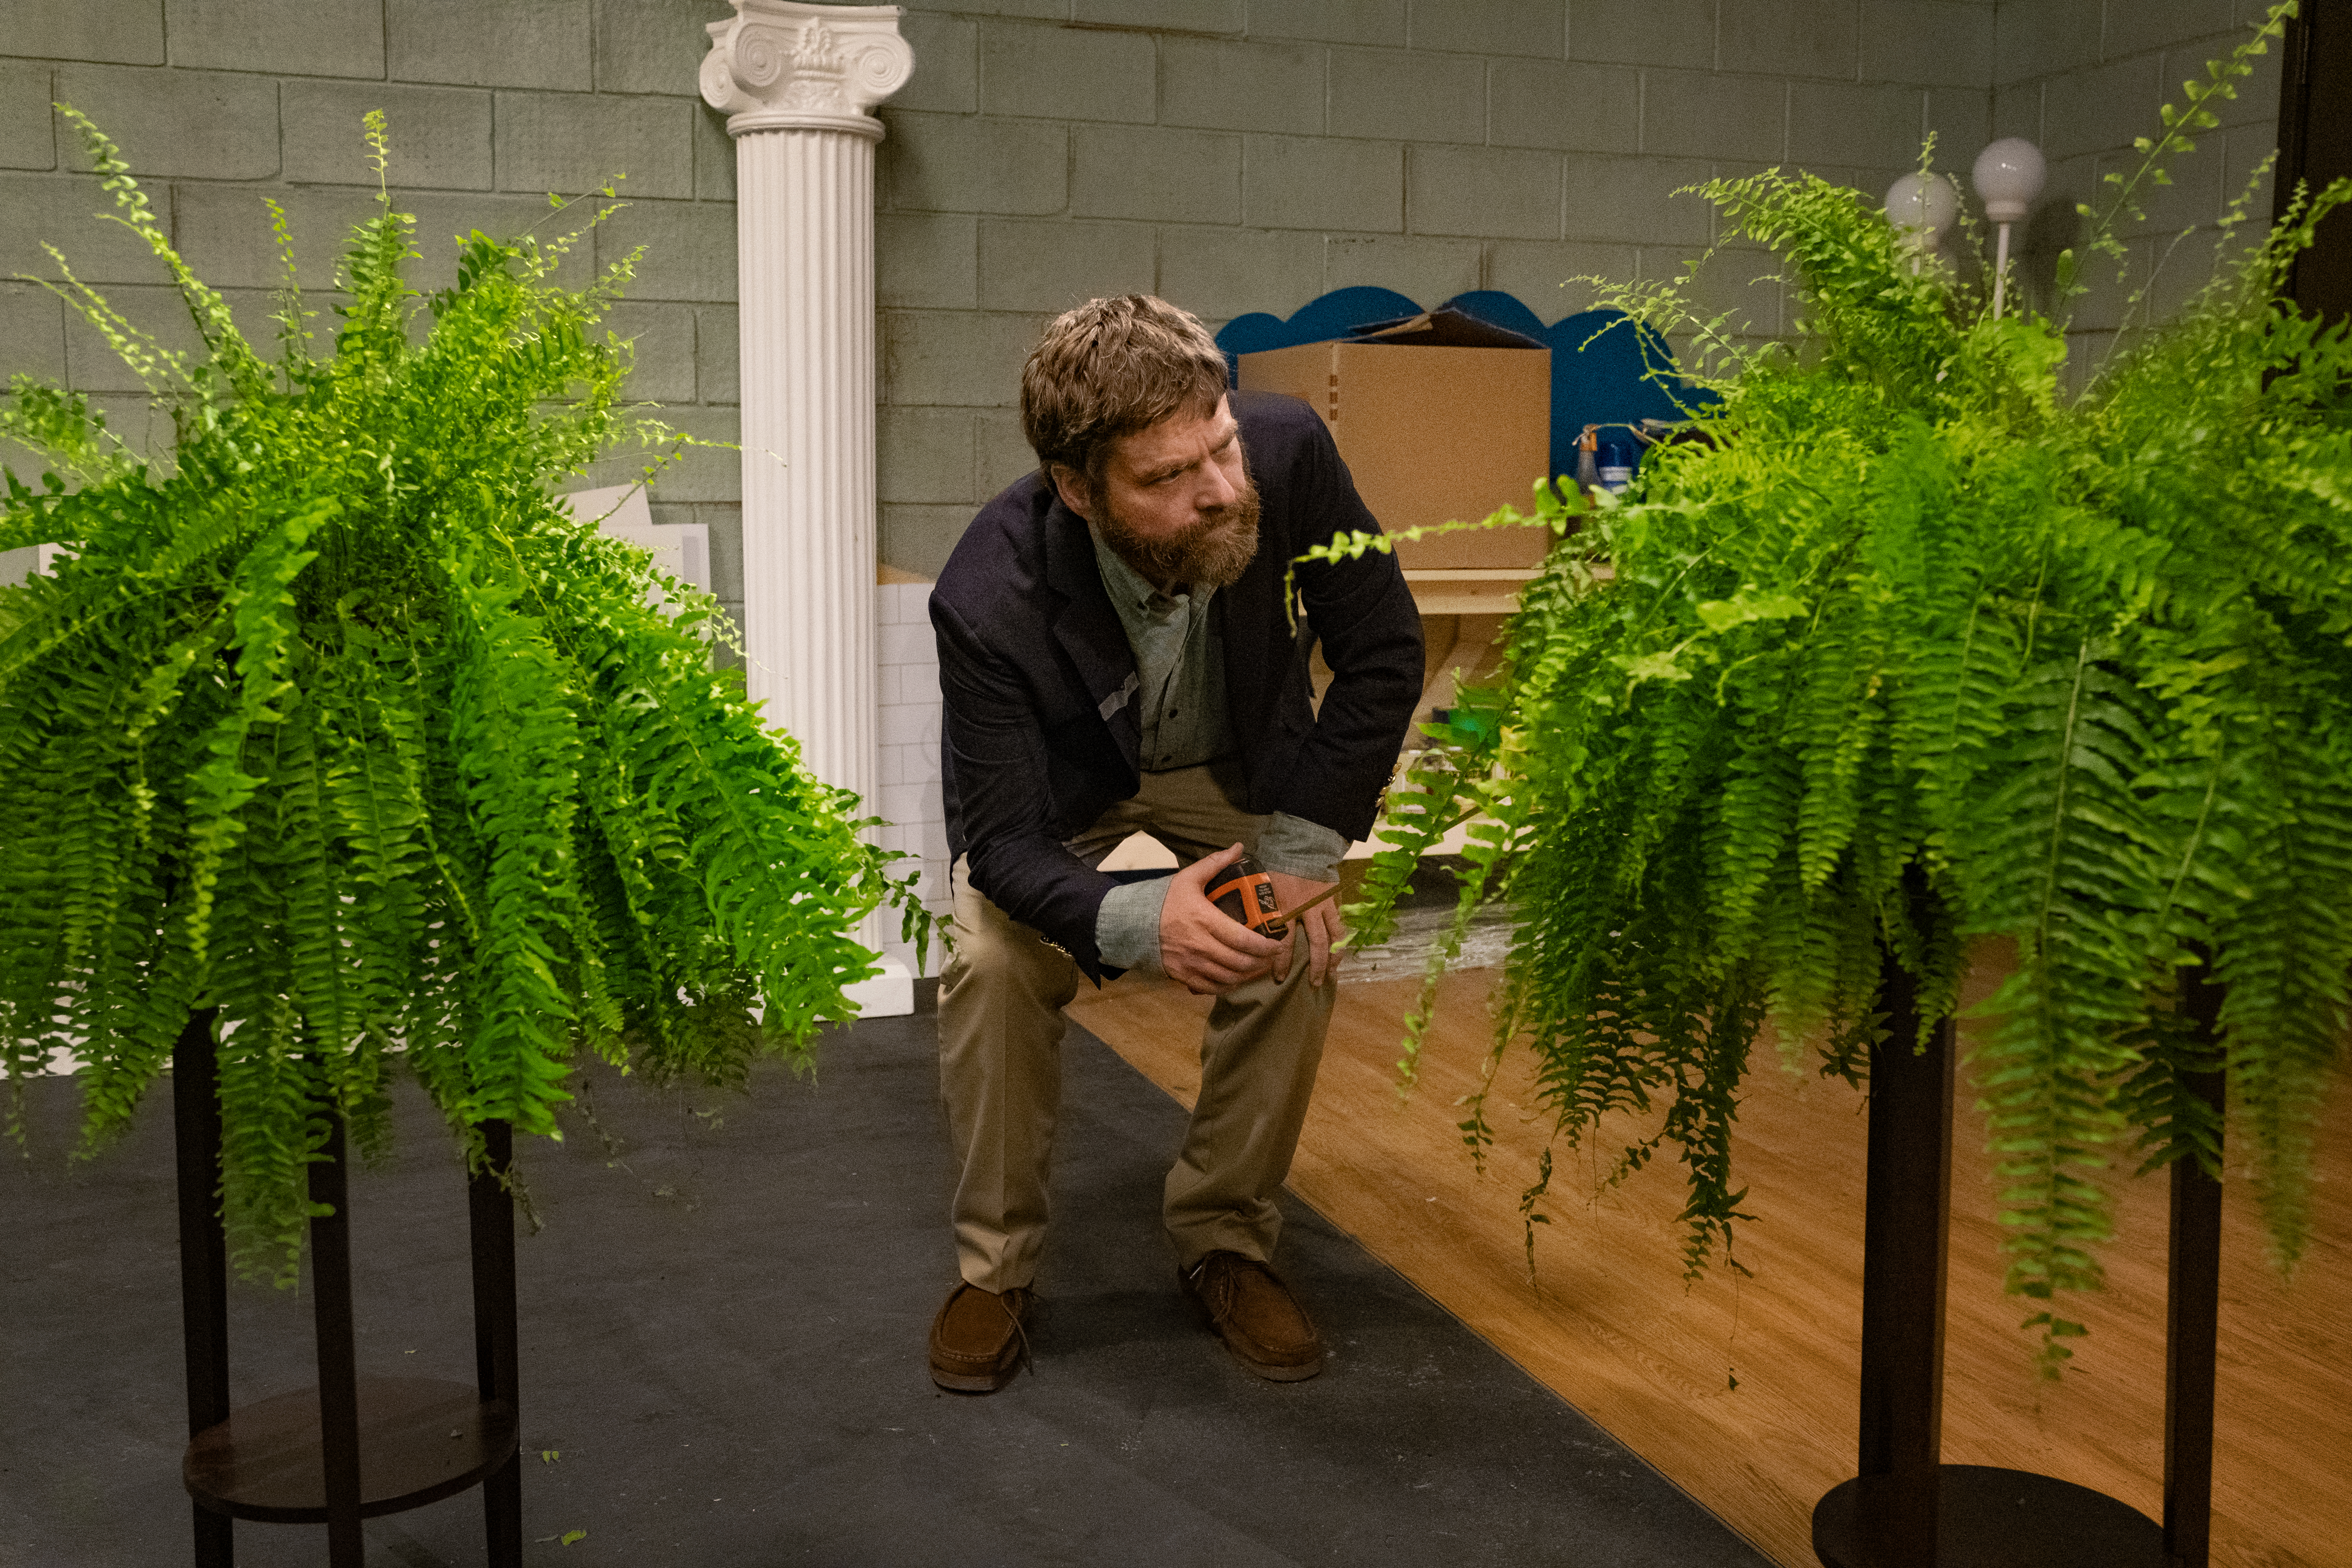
(798,83)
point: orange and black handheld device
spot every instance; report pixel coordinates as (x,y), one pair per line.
(1245,892)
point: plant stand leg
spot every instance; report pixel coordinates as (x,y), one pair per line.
(204,1258)
(2192,1317)
(1906,1221)
(491,1210)
(339,1407)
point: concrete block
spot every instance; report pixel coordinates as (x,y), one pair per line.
(1003,457)
(1037,266)
(2257,102)
(689,248)
(1570,108)
(909,643)
(1241,87)
(118,32)
(1541,277)
(1484,192)
(572,142)
(1533,27)
(1631,200)
(2045,38)
(1174,15)
(443,220)
(901,804)
(718,346)
(1295,182)
(1790,38)
(920,539)
(2153,24)
(956,164)
(2239,154)
(947,64)
(1377,23)
(216,127)
(440,136)
(1740,282)
(1861,123)
(925,454)
(1703,114)
(662,350)
(1153,173)
(284,37)
(2103,108)
(91,362)
(910,724)
(28,131)
(927,260)
(32,332)
(1427,271)
(1220,273)
(1069,74)
(704,473)
(1931,43)
(714,156)
(491,43)
(1961,119)
(1041,10)
(1411,97)
(968,359)
(2195,198)
(725,521)
(649,46)
(1643,32)
(223,233)
(64,211)
(2017,112)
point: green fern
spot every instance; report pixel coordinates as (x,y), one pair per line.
(341,726)
(1902,611)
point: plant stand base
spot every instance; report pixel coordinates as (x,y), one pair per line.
(1994,1518)
(421,1439)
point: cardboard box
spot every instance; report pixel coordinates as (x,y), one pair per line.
(1432,429)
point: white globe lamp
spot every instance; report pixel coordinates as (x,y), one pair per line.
(2008,175)
(1921,207)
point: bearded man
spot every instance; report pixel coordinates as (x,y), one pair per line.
(1116,654)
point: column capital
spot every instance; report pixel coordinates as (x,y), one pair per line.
(778,65)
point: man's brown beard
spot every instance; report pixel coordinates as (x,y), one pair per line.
(1213,553)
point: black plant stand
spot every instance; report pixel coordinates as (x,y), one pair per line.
(1906,1509)
(354,1447)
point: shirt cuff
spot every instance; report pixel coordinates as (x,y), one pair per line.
(1127,926)
(1298,848)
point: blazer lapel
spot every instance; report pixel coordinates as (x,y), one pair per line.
(1088,628)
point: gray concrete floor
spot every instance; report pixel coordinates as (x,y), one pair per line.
(723,1347)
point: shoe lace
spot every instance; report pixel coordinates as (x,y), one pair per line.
(1018,1328)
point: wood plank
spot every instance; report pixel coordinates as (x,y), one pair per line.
(1609,1325)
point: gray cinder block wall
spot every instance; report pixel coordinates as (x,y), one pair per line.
(1235,156)
(2081,78)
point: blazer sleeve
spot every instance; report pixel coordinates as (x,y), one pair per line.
(1371,631)
(990,729)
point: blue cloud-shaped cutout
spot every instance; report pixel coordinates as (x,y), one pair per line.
(1601,360)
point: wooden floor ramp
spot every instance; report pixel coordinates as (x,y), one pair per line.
(1744,1390)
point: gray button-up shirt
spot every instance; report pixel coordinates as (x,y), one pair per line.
(1181,708)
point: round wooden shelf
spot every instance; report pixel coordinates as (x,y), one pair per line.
(421,1439)
(1991,1517)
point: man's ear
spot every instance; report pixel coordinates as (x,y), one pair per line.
(1071,486)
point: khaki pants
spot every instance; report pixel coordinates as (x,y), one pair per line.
(1001,1024)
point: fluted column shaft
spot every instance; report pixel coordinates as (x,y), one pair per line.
(806,252)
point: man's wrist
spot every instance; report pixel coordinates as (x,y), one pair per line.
(1298,847)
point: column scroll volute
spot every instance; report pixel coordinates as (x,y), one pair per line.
(777,65)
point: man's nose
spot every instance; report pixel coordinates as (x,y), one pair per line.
(1216,488)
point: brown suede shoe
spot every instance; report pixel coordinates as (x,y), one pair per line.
(977,1341)
(1256,1316)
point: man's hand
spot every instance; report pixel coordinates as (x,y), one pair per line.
(1322,926)
(1203,949)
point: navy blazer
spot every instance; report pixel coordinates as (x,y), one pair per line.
(1039,734)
